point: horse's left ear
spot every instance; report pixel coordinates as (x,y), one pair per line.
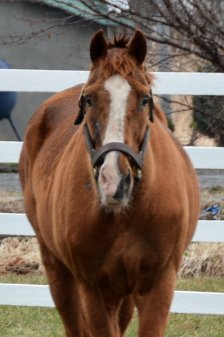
(98,46)
(138,47)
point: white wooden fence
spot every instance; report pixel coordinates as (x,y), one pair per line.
(202,158)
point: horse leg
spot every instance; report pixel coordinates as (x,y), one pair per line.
(101,314)
(125,313)
(153,307)
(65,294)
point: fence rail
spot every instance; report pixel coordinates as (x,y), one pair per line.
(202,158)
(12,224)
(166,83)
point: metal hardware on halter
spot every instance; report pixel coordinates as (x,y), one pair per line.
(139,175)
(95,172)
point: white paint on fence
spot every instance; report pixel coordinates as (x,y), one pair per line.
(193,302)
(15,224)
(209,231)
(25,295)
(206,157)
(10,151)
(40,80)
(18,224)
(166,83)
(190,302)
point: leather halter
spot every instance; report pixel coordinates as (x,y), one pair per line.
(97,155)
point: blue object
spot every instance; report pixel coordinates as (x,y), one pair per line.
(214,209)
(7,99)
(7,102)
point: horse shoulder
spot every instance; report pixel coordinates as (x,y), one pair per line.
(52,113)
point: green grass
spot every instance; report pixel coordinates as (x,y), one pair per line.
(30,322)
(201,284)
(188,326)
(33,278)
(39,322)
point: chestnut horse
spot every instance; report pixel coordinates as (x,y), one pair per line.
(111,194)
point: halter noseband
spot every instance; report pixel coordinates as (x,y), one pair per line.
(97,155)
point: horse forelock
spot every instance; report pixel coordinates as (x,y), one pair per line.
(116,61)
(119,41)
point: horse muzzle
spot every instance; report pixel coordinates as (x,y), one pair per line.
(114,186)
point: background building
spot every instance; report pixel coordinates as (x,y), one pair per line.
(44,35)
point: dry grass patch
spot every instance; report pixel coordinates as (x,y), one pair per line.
(19,256)
(203,260)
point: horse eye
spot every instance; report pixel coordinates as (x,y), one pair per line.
(88,100)
(145,100)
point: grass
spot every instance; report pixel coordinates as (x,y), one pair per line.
(38,322)
(188,326)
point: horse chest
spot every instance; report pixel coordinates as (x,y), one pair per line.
(120,266)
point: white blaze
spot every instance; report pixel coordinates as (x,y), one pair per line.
(118,89)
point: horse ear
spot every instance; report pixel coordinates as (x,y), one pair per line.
(98,46)
(138,47)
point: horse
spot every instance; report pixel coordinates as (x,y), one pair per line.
(111,194)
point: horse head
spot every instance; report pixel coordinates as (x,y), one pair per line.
(116,106)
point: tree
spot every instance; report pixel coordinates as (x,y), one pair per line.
(189,29)
(193,27)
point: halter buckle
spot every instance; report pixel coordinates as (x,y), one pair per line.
(95,172)
(139,174)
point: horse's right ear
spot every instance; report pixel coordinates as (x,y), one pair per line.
(98,46)
(138,47)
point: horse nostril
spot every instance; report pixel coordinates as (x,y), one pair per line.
(123,187)
(125,181)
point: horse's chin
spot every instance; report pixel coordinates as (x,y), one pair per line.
(110,205)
